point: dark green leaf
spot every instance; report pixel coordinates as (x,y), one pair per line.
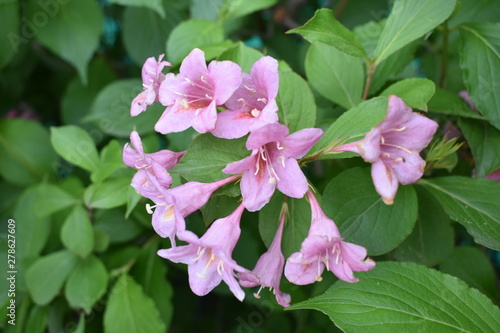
(208,155)
(76,146)
(480,62)
(242,55)
(337,76)
(86,284)
(47,275)
(109,194)
(399,297)
(11,40)
(362,217)
(471,201)
(484,141)
(142,315)
(77,233)
(155,5)
(476,11)
(415,92)
(23,162)
(50,199)
(218,206)
(410,20)
(38,318)
(107,220)
(432,239)
(449,103)
(235,8)
(324,28)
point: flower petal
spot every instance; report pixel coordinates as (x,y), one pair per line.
(292,180)
(417,133)
(408,166)
(232,124)
(385,181)
(299,143)
(256,192)
(266,134)
(194,65)
(300,272)
(264,73)
(369,147)
(174,119)
(204,119)
(226,76)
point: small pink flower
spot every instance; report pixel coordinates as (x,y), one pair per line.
(273,164)
(322,248)
(152,77)
(393,148)
(209,258)
(253,104)
(195,92)
(269,269)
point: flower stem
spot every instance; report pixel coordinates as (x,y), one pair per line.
(370,69)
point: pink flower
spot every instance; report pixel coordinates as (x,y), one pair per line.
(393,148)
(155,163)
(273,163)
(253,104)
(322,248)
(195,92)
(494,175)
(269,269)
(209,257)
(152,77)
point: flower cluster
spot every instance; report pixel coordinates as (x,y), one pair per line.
(221,100)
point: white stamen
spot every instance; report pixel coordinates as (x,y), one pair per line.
(255,113)
(278,145)
(263,100)
(250,89)
(242,101)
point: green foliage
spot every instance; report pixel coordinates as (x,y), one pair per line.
(414,92)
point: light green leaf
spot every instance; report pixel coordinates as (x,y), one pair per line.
(155,5)
(297,107)
(51,199)
(111,161)
(472,266)
(75,145)
(476,11)
(11,40)
(398,297)
(86,284)
(410,20)
(109,194)
(242,55)
(473,202)
(352,125)
(189,35)
(77,233)
(47,275)
(484,141)
(432,239)
(231,9)
(214,50)
(451,104)
(337,76)
(68,33)
(22,162)
(415,92)
(480,62)
(142,315)
(351,201)
(38,318)
(207,156)
(324,28)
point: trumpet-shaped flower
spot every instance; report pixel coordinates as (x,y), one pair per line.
(324,247)
(273,164)
(193,95)
(209,257)
(253,104)
(393,148)
(152,77)
(269,269)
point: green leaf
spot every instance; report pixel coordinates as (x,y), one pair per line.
(406,297)
(155,5)
(142,315)
(77,233)
(47,275)
(432,239)
(109,194)
(86,284)
(353,124)
(297,107)
(415,92)
(111,110)
(476,11)
(111,160)
(324,28)
(480,62)
(51,199)
(22,162)
(242,55)
(410,20)
(189,35)
(107,220)
(351,201)
(101,241)
(337,76)
(451,104)
(207,156)
(484,141)
(69,34)
(10,41)
(296,226)
(38,318)
(218,206)
(156,26)
(231,9)
(473,202)
(472,266)
(75,145)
